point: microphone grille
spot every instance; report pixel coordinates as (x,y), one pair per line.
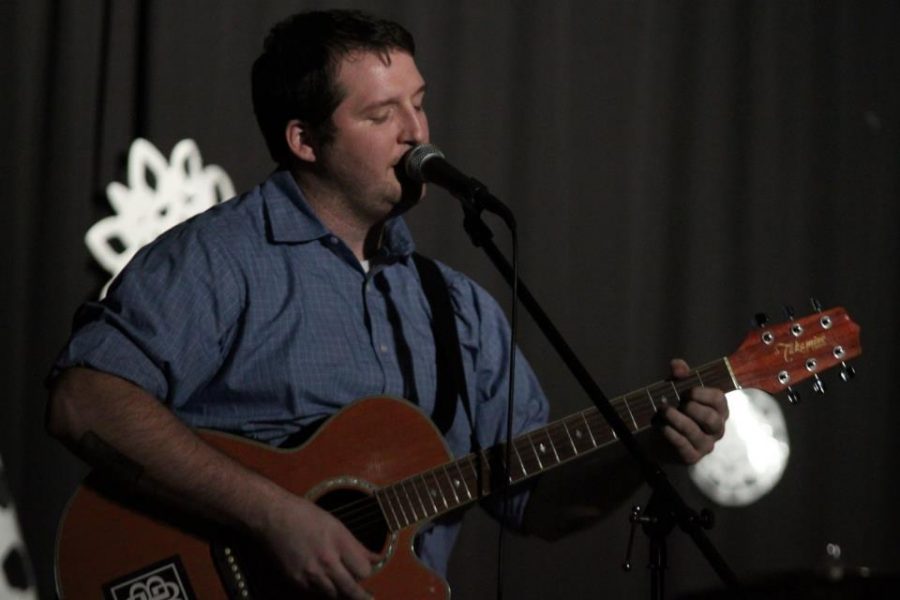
(416,158)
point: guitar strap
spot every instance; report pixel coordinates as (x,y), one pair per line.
(451,376)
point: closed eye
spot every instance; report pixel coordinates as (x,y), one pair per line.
(380,117)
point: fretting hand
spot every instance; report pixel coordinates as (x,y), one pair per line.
(693,428)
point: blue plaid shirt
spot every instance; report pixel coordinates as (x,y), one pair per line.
(253,318)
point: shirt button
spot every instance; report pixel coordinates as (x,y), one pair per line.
(332,240)
(383,348)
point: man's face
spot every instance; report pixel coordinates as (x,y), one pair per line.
(379,119)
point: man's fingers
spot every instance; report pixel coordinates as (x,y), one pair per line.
(696,424)
(347,585)
(687,435)
(711,397)
(680,368)
(709,419)
(322,583)
(685,450)
(358,562)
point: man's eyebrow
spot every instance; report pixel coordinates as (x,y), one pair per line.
(390,101)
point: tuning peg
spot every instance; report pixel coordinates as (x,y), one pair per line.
(761,319)
(789,311)
(816,305)
(818,385)
(793,395)
(847,372)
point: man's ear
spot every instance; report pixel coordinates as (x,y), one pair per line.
(300,141)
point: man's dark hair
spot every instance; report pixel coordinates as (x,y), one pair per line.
(295,76)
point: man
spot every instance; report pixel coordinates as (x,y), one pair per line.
(272,311)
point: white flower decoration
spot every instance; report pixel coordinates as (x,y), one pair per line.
(159,195)
(13,550)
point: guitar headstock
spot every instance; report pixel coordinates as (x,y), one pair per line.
(774,358)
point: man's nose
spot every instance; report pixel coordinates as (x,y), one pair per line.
(415,127)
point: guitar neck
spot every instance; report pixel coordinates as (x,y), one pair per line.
(456,484)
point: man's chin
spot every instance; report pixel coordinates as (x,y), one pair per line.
(410,194)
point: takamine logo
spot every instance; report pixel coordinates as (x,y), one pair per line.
(165,580)
(789,350)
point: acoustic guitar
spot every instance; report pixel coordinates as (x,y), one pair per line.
(382,468)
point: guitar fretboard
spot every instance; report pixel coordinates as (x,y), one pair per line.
(473,477)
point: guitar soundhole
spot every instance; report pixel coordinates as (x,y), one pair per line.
(360,513)
(248,573)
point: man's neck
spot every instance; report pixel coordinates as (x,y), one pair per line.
(336,214)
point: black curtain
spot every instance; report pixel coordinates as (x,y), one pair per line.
(675,168)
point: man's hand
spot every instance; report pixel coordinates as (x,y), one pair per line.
(116,425)
(695,427)
(316,551)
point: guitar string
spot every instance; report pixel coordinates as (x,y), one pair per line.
(361,512)
(557,435)
(370,507)
(367,512)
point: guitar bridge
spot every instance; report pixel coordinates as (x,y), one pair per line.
(231,574)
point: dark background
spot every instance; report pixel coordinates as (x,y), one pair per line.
(675,168)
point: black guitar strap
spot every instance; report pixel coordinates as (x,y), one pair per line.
(451,376)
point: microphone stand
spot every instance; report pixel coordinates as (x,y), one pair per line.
(666,506)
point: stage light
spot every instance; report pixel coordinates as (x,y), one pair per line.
(750,459)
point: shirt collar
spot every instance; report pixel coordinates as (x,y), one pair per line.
(397,241)
(290,218)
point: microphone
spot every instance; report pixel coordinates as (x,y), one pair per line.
(426,163)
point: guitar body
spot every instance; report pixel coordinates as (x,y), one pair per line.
(112,545)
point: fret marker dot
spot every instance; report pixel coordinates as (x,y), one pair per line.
(578,433)
(456,482)
(542,448)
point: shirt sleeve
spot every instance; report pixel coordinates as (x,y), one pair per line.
(167,319)
(488,338)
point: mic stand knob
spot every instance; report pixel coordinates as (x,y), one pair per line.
(706,519)
(634,519)
(657,520)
